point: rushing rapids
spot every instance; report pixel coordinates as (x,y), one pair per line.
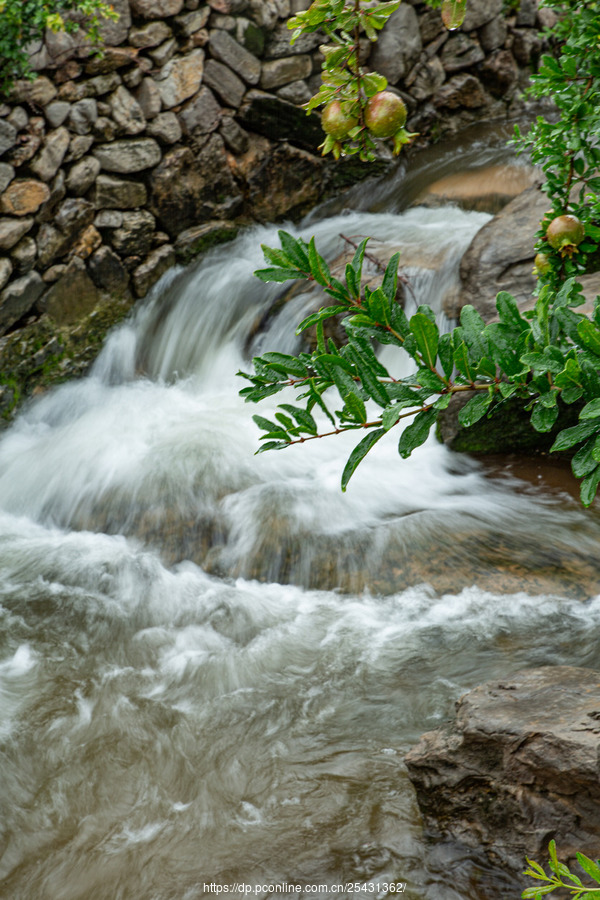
(212,663)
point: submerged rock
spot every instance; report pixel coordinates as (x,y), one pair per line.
(517,767)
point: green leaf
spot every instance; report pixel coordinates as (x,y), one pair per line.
(532,892)
(296,249)
(318,267)
(416,433)
(543,417)
(278,275)
(475,409)
(303,418)
(509,313)
(589,866)
(584,461)
(355,407)
(461,361)
(569,437)
(589,335)
(473,331)
(426,335)
(389,285)
(283,362)
(446,354)
(359,453)
(453,13)
(588,489)
(325,313)
(591,410)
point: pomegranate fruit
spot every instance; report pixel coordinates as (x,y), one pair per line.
(336,122)
(541,264)
(385,114)
(565,233)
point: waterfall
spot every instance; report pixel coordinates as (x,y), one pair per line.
(211,662)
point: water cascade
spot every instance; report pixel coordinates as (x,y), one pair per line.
(212,663)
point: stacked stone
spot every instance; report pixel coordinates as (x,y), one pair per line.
(113,167)
(105,161)
(450,79)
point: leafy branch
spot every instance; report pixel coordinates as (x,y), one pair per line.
(572,884)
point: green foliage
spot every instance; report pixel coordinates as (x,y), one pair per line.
(546,357)
(562,877)
(23,24)
(344,79)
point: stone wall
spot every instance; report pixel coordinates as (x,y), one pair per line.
(113,168)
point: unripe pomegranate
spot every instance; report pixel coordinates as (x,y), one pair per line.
(542,265)
(336,122)
(565,233)
(385,114)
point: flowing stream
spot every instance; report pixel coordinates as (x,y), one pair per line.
(212,663)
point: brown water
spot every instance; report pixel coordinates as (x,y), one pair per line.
(212,664)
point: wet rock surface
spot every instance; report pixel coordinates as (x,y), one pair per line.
(517,766)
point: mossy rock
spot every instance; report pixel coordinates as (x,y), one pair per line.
(507,429)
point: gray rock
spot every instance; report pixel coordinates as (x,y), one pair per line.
(83,175)
(115,33)
(107,271)
(108,218)
(250,36)
(463,90)
(165,128)
(461,52)
(500,72)
(148,97)
(18,118)
(119,193)
(133,78)
(5,270)
(279,121)
(126,111)
(157,9)
(526,46)
(57,112)
(161,55)
(24,255)
(128,156)
(57,192)
(82,116)
(398,46)
(277,43)
(518,765)
(73,216)
(427,79)
(527,13)
(191,22)
(180,78)
(186,188)
(202,114)
(134,237)
(51,243)
(430,25)
(500,256)
(155,265)
(48,161)
(227,50)
(199,238)
(150,35)
(7,173)
(79,146)
(224,83)
(18,298)
(73,296)
(104,129)
(296,92)
(479,12)
(236,139)
(493,34)
(8,136)
(264,12)
(54,273)
(104,84)
(39,92)
(277,72)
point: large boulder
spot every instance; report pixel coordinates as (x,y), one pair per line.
(516,767)
(500,256)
